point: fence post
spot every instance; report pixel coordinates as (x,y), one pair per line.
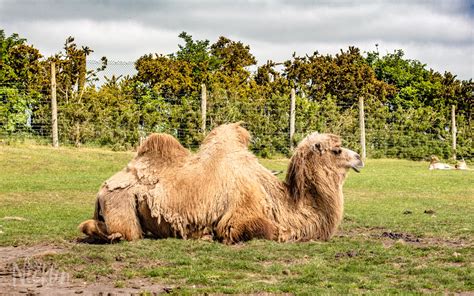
(453,129)
(362,127)
(54,107)
(292,116)
(203,107)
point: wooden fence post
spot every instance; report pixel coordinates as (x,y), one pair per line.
(292,116)
(362,128)
(203,107)
(54,107)
(453,129)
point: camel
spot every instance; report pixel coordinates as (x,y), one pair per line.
(461,165)
(435,164)
(223,193)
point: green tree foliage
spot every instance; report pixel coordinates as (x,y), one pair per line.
(407,106)
(329,88)
(13,110)
(20,77)
(74,111)
(20,64)
(117,123)
(419,113)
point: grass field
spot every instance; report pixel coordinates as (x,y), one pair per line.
(406,229)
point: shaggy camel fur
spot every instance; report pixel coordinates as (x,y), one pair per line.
(222,191)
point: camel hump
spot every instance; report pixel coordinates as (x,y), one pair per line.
(233,134)
(162,146)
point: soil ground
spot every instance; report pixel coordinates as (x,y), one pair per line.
(23,273)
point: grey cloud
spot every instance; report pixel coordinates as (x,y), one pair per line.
(270,21)
(121,27)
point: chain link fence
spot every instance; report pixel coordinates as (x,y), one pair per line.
(120,120)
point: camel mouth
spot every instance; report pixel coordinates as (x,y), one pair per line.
(357,167)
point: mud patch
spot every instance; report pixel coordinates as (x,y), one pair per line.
(403,236)
(23,272)
(389,237)
(12,254)
(348,254)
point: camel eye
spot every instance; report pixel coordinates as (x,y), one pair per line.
(336,151)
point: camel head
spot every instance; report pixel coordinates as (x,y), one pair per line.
(320,157)
(434,159)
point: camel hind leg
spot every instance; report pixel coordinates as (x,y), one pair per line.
(245,221)
(239,229)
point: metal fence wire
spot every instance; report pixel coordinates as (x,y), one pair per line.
(121,121)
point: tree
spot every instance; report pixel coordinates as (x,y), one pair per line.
(420,108)
(234,57)
(20,80)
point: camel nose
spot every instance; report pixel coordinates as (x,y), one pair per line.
(359,160)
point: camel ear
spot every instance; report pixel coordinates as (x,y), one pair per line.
(318,148)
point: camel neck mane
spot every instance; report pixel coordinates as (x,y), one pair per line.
(315,202)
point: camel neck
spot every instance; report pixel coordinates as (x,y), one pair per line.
(317,214)
(328,203)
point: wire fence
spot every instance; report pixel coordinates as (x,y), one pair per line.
(116,69)
(122,121)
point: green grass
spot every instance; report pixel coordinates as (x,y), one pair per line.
(54,190)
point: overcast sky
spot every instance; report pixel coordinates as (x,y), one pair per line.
(438,33)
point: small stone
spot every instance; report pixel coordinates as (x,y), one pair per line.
(401,242)
(351,253)
(167,290)
(39,285)
(79,292)
(456,254)
(119,258)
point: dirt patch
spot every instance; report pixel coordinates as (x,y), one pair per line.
(12,254)
(348,254)
(22,272)
(403,236)
(389,237)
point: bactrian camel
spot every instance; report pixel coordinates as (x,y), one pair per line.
(435,164)
(222,191)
